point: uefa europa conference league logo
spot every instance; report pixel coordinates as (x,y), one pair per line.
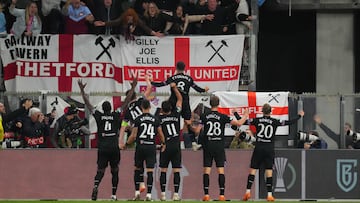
(346,175)
(281,165)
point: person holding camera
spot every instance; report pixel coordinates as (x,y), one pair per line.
(68,129)
(264,152)
(242,140)
(311,140)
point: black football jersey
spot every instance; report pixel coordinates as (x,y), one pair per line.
(147,125)
(133,110)
(170,125)
(214,126)
(108,126)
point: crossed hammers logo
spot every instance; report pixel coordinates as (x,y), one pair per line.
(216,51)
(99,41)
(274,97)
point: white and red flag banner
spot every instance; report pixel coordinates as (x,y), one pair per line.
(55,62)
(212,61)
(231,102)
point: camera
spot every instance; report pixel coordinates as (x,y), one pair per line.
(307,137)
(246,137)
(355,135)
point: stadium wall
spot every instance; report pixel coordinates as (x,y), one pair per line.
(68,174)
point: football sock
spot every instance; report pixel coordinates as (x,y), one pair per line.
(250,181)
(141,180)
(269,184)
(137,179)
(98,177)
(221,180)
(162,181)
(206,183)
(176,182)
(149,181)
(115,179)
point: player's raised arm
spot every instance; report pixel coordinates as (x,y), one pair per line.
(148,90)
(198,88)
(240,120)
(85,98)
(130,94)
(292,121)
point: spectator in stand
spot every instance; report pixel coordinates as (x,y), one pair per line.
(5,118)
(181,21)
(140,6)
(33,129)
(237,143)
(349,143)
(107,10)
(218,25)
(167,5)
(2,21)
(155,19)
(52,16)
(130,24)
(243,17)
(27,22)
(77,17)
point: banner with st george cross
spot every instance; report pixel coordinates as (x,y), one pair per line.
(55,62)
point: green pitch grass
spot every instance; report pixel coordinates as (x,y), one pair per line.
(187,201)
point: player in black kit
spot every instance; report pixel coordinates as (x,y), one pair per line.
(170,124)
(108,125)
(213,144)
(131,113)
(264,148)
(183,83)
(146,127)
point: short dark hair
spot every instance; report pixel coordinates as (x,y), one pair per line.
(145,104)
(166,106)
(214,101)
(106,106)
(266,109)
(180,66)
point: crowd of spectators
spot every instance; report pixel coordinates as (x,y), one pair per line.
(28,127)
(139,17)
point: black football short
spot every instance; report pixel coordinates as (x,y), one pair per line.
(145,153)
(108,156)
(171,154)
(214,153)
(262,155)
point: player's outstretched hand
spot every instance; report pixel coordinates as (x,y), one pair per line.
(134,82)
(206,89)
(81,84)
(301,113)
